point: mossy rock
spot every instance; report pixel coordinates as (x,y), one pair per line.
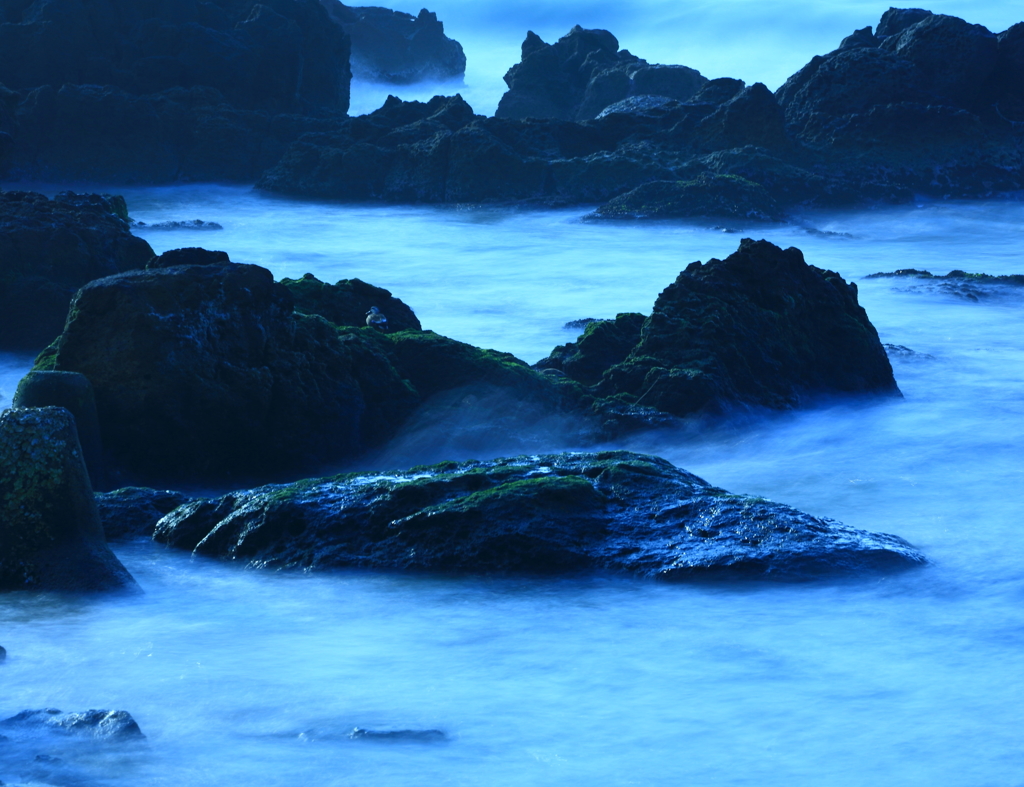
(50,532)
(707,196)
(614,512)
(346,302)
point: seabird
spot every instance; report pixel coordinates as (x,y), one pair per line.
(376,320)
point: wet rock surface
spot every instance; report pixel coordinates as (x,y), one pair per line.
(132,512)
(111,725)
(969,286)
(347,302)
(50,533)
(51,247)
(761,327)
(542,514)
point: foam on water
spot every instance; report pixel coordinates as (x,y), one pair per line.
(913,680)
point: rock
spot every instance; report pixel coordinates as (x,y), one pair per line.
(50,248)
(205,374)
(347,302)
(110,725)
(714,196)
(398,736)
(582,73)
(132,512)
(74,393)
(751,117)
(281,57)
(188,256)
(391,46)
(970,286)
(193,224)
(50,533)
(896,20)
(550,514)
(761,328)
(3,653)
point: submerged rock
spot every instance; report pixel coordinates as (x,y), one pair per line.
(549,514)
(50,248)
(111,725)
(193,224)
(761,328)
(398,736)
(50,533)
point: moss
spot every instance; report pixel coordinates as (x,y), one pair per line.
(46,361)
(561,492)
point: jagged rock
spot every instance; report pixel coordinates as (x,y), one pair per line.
(192,255)
(714,196)
(50,248)
(550,514)
(111,725)
(761,327)
(50,532)
(346,302)
(193,224)
(132,512)
(582,73)
(392,46)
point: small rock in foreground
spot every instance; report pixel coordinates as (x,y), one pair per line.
(105,724)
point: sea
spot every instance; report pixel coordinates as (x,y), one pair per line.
(914,679)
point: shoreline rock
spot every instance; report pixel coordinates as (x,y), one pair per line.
(615,512)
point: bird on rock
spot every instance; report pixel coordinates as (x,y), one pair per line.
(375,319)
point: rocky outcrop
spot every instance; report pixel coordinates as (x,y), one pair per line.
(760,328)
(392,46)
(205,374)
(153,92)
(50,248)
(50,532)
(583,73)
(348,301)
(278,57)
(549,514)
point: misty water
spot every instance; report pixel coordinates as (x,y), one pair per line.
(917,679)
(243,677)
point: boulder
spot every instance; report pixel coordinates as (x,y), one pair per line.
(760,328)
(392,46)
(205,374)
(582,73)
(74,393)
(50,248)
(348,301)
(50,533)
(542,514)
(110,725)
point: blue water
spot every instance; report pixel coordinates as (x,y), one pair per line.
(918,679)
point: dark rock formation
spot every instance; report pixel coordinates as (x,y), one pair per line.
(347,302)
(553,514)
(712,196)
(189,256)
(582,73)
(193,224)
(111,725)
(50,532)
(391,46)
(132,512)
(205,374)
(74,393)
(398,736)
(126,91)
(279,57)
(50,248)
(970,286)
(761,327)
